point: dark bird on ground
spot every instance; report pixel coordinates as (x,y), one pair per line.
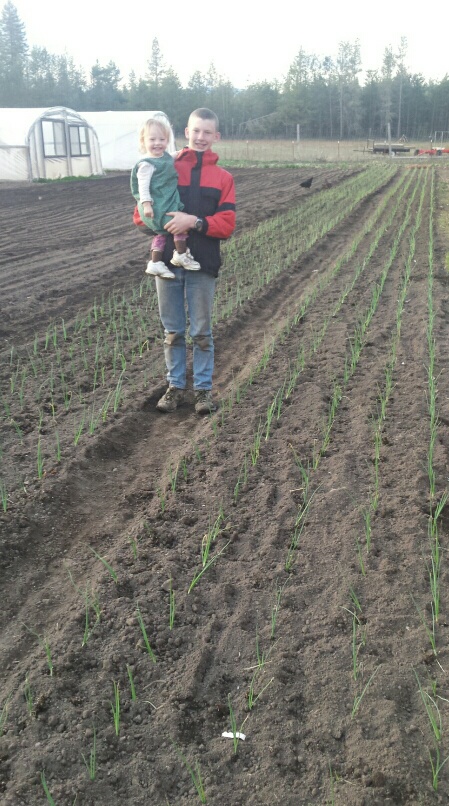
(307,183)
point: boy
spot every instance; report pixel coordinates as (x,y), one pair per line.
(208,194)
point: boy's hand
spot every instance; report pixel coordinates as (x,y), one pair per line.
(148,209)
(181,222)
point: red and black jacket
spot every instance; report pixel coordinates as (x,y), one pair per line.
(207,191)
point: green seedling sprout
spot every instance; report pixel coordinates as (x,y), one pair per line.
(194,772)
(242,478)
(255,448)
(210,537)
(276,607)
(261,657)
(356,644)
(3,496)
(235,732)
(45,646)
(115,708)
(432,710)
(355,600)
(332,779)
(360,556)
(172,605)
(105,563)
(90,600)
(252,699)
(429,632)
(203,570)
(433,571)
(131,683)
(40,460)
(46,790)
(299,526)
(28,694)
(144,634)
(4,716)
(270,413)
(58,447)
(162,499)
(79,430)
(91,763)
(305,474)
(133,541)
(367,521)
(173,473)
(436,766)
(358,698)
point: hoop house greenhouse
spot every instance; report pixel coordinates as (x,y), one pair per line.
(47,144)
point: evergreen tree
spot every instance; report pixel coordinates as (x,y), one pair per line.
(295,106)
(13,57)
(156,72)
(197,91)
(103,92)
(347,66)
(401,74)
(71,86)
(439,101)
(388,65)
(371,105)
(170,96)
(41,78)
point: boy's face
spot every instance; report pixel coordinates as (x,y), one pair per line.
(201,133)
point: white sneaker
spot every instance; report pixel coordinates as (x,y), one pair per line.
(159,269)
(185,259)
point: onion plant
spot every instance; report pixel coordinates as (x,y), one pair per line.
(131,682)
(194,772)
(46,790)
(198,574)
(144,634)
(108,567)
(115,708)
(359,697)
(172,605)
(91,761)
(4,715)
(45,646)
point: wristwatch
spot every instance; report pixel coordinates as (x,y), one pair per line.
(198,225)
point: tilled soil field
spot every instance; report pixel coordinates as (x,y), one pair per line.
(277,570)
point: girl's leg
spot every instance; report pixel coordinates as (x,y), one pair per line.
(181,243)
(157,247)
(182,255)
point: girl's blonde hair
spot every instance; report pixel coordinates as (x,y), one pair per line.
(162,124)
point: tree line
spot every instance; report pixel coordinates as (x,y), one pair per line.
(320,97)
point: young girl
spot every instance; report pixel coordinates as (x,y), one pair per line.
(154,185)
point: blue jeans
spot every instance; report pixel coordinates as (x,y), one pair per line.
(194,289)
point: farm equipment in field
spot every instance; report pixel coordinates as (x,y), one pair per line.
(432,152)
(385,148)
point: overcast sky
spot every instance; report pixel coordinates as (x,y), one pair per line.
(246,41)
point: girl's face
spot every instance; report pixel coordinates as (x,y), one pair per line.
(155,140)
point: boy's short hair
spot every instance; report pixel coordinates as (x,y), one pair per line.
(157,120)
(205,114)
